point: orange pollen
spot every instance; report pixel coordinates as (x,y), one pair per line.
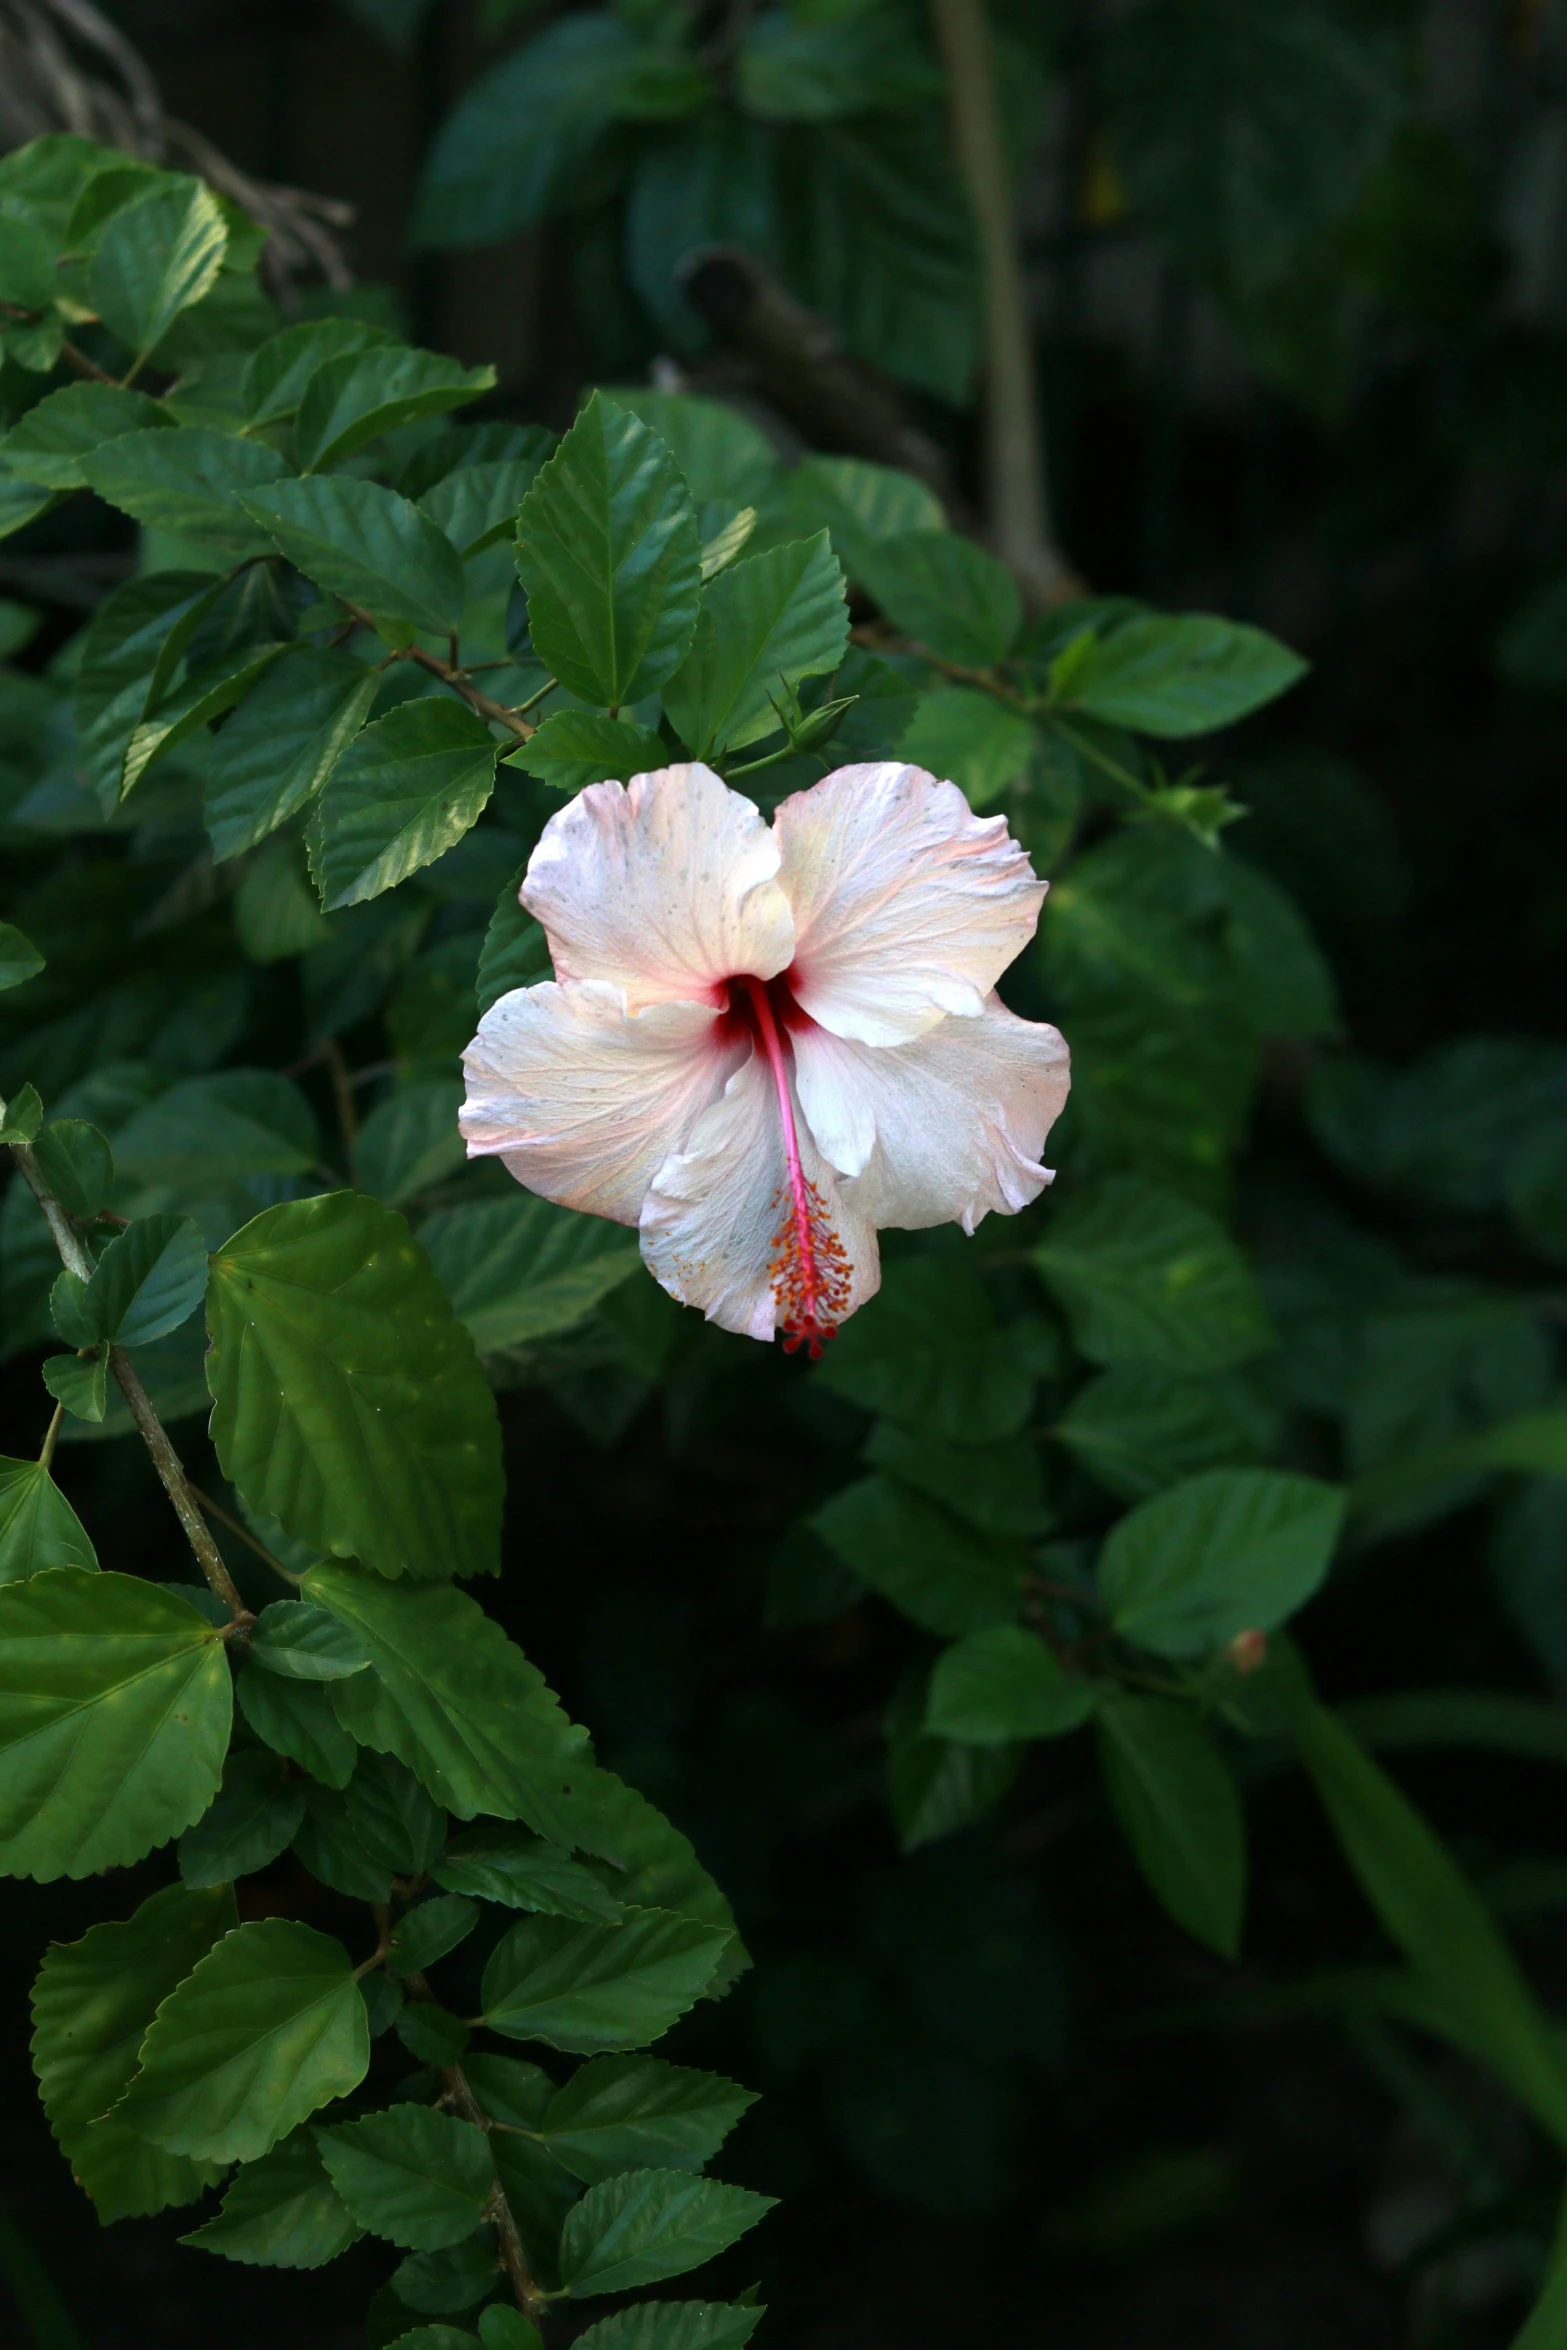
(811,1274)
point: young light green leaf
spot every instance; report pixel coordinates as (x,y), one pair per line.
(476,505)
(456,1701)
(623,2112)
(114,1719)
(971,739)
(1177,1805)
(1145,1277)
(1002,1684)
(253,1818)
(283,742)
(399,796)
(428,1931)
(366,544)
(592,1988)
(295,1718)
(520,1269)
(649,2224)
(946,1576)
(766,623)
(515,952)
(608,552)
(1176,674)
(421,2179)
(51,440)
(946,593)
(1230,1551)
(522,1872)
(1431,1911)
(19,958)
(360,395)
(92,2004)
(268,2027)
(281,2212)
(347,1398)
(574,748)
(674,2325)
(188,481)
(411,1140)
(38,1527)
(156,258)
(304,1642)
(77,1166)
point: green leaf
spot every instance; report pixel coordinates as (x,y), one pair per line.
(515,952)
(650,2224)
(765,624)
(674,2325)
(268,2027)
(19,958)
(1428,1907)
(509,2090)
(132,646)
(931,1356)
(27,263)
(399,796)
(296,1719)
(622,2112)
(366,544)
(411,1140)
(945,592)
(521,1269)
(1230,1551)
(996,1487)
(38,1527)
(1181,674)
(50,442)
(420,2178)
(77,1165)
(814,69)
(114,1719)
(1145,1277)
(501,2328)
(650,1864)
(971,739)
(1546,2327)
(188,481)
(304,1642)
(476,505)
(428,1932)
(946,1576)
(1002,1684)
(347,1399)
(253,1818)
(574,748)
(395,1817)
(150,1278)
(1177,1805)
(608,552)
(92,2004)
(938,1785)
(207,693)
(156,258)
(283,742)
(359,396)
(281,2212)
(725,458)
(328,1844)
(432,2034)
(214,1131)
(456,1701)
(859,504)
(1136,1431)
(80,1382)
(278,372)
(22,502)
(521,1872)
(21,1116)
(592,1988)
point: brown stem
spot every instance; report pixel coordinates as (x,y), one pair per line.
(530,2296)
(1017,508)
(450,674)
(154,1435)
(85,366)
(241,1533)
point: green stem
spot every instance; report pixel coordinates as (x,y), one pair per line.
(51,1438)
(1100,759)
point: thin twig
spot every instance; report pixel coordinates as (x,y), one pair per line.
(84,366)
(242,1533)
(165,1459)
(450,674)
(51,1438)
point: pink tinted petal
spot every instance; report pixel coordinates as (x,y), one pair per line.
(942,1130)
(906,905)
(662,886)
(710,1227)
(583,1100)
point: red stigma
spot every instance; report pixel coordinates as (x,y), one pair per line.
(811,1274)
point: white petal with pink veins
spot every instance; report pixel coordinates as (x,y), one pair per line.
(583,1100)
(716,1223)
(662,886)
(942,1130)
(907,906)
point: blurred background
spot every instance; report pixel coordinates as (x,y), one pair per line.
(1296,296)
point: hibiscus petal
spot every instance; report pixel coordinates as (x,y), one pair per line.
(711,1223)
(906,905)
(583,1100)
(662,886)
(941,1130)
